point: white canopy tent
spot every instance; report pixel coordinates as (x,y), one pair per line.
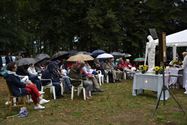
(178,39)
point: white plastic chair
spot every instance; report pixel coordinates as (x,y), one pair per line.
(50,86)
(62,86)
(78,88)
(100,77)
(107,78)
(124,75)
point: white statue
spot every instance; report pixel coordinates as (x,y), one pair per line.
(150,53)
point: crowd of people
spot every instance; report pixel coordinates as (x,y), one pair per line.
(26,79)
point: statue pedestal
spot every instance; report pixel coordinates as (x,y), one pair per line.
(150,71)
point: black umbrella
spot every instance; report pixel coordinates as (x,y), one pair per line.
(84,52)
(59,54)
(25,61)
(41,57)
(72,52)
(97,52)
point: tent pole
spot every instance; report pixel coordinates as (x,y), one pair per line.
(174,52)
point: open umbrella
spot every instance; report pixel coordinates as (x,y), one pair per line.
(41,57)
(97,52)
(140,59)
(72,52)
(117,54)
(127,55)
(84,52)
(105,56)
(80,57)
(59,54)
(25,61)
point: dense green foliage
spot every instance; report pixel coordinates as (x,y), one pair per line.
(51,25)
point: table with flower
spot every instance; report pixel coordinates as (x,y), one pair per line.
(149,81)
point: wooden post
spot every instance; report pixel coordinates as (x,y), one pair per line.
(162,47)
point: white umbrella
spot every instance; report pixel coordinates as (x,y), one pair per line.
(105,56)
(117,54)
(127,55)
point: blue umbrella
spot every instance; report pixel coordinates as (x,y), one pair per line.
(97,52)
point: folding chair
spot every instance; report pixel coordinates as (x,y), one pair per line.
(14,101)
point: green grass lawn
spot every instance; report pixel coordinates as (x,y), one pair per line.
(115,106)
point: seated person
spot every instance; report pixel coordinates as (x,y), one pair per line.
(66,79)
(33,75)
(90,74)
(23,87)
(114,74)
(76,74)
(22,71)
(97,64)
(53,73)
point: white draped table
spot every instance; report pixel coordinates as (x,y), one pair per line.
(151,82)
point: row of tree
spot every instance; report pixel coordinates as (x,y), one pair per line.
(112,25)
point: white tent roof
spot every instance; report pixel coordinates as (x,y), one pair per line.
(176,39)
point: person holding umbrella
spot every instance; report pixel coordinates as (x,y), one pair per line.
(76,74)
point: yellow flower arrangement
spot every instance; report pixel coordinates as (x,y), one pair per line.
(143,68)
(176,62)
(158,69)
